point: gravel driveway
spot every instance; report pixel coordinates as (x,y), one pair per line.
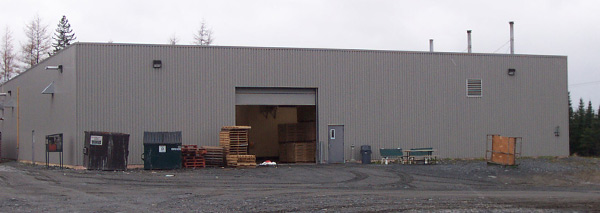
(541,184)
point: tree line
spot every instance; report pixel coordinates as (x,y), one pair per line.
(37,47)
(584,130)
(41,44)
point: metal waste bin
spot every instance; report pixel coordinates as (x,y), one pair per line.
(162,150)
(105,150)
(365,152)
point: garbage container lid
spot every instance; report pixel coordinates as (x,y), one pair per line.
(162,137)
(365,147)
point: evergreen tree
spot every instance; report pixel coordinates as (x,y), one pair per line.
(572,128)
(64,35)
(576,128)
(570,107)
(589,116)
(590,142)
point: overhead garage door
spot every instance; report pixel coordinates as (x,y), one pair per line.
(275,96)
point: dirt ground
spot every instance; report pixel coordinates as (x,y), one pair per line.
(536,185)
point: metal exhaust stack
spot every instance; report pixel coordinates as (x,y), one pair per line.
(512,37)
(430,45)
(469,41)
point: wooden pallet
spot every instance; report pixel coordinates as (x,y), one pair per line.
(188,147)
(235,127)
(234,140)
(297,152)
(296,132)
(214,156)
(192,156)
(194,164)
(241,161)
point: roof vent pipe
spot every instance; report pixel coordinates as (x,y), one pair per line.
(512,37)
(469,41)
(430,45)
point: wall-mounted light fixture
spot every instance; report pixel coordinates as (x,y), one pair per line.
(156,64)
(557,131)
(511,72)
(59,68)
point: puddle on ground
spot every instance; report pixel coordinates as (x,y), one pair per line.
(7,169)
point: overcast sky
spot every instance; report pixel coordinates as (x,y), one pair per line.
(544,27)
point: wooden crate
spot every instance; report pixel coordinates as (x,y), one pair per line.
(297,132)
(297,152)
(503,150)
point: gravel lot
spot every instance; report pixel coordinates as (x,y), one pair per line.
(536,185)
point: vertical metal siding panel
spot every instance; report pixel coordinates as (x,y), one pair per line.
(385,99)
(46,114)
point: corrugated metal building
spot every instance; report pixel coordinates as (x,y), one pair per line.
(386,99)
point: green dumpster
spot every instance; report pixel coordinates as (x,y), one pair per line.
(162,150)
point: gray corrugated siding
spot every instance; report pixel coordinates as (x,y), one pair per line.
(46,114)
(385,99)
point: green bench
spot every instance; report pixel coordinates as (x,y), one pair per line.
(424,155)
(387,154)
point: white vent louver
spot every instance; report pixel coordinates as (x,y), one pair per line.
(474,87)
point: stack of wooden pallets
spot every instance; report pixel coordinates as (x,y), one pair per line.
(297,142)
(241,161)
(215,156)
(297,152)
(234,140)
(297,132)
(192,156)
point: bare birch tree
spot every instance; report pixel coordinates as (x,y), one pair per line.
(9,66)
(204,35)
(38,44)
(173,40)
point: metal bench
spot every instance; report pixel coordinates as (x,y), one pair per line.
(386,154)
(424,155)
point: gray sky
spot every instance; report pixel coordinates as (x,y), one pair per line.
(542,27)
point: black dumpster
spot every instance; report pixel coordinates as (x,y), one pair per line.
(162,150)
(365,153)
(105,150)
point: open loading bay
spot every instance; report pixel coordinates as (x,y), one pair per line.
(285,134)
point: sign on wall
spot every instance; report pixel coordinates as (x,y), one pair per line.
(54,143)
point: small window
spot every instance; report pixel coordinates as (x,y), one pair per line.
(474,88)
(332,134)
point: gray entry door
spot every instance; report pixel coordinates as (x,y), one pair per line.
(336,143)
